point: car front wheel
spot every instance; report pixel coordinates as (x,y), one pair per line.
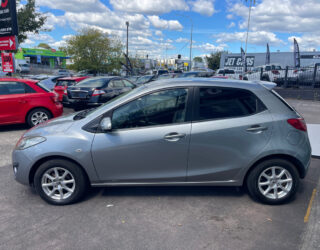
(60,182)
(273,181)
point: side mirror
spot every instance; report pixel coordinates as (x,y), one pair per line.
(106,124)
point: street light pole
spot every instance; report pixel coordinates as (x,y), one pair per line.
(191,45)
(248,27)
(127,23)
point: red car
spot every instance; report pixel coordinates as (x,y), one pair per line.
(27,101)
(63,83)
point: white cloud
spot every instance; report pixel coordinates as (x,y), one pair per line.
(257,38)
(27,43)
(74,5)
(308,42)
(165,24)
(280,16)
(209,47)
(204,7)
(231,25)
(158,33)
(149,7)
(182,40)
(53,20)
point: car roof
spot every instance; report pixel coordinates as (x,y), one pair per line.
(12,79)
(200,81)
(71,78)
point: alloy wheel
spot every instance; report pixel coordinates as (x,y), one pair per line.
(58,183)
(39,117)
(275,182)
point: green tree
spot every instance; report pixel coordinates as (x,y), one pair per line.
(44,46)
(198,59)
(94,50)
(29,20)
(213,60)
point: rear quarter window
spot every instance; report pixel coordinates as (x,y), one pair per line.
(222,103)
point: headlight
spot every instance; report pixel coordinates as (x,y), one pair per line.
(27,142)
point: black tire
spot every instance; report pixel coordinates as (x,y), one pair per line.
(77,173)
(265,78)
(245,78)
(253,179)
(34,111)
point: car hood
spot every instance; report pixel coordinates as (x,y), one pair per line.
(53,126)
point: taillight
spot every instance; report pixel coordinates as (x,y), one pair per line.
(65,92)
(276,72)
(98,92)
(298,123)
(55,98)
(240,77)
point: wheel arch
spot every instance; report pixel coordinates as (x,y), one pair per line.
(40,107)
(298,165)
(38,163)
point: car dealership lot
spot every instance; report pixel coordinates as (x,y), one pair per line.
(151,217)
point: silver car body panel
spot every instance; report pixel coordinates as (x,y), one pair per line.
(215,152)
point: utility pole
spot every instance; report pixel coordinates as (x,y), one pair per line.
(127,23)
(191,45)
(245,51)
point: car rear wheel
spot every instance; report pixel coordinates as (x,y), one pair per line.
(273,181)
(60,182)
(37,116)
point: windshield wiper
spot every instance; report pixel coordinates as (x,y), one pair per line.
(82,114)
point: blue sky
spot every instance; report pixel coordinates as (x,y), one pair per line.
(161,28)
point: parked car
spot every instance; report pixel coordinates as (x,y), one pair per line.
(23,68)
(62,85)
(27,101)
(306,76)
(229,73)
(172,132)
(50,81)
(132,79)
(145,79)
(95,91)
(195,74)
(63,72)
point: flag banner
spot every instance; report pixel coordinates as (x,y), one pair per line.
(268,55)
(296,53)
(243,60)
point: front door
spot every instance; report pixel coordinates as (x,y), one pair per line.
(149,140)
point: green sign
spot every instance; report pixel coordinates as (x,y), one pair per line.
(43,52)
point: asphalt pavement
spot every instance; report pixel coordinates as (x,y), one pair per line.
(157,217)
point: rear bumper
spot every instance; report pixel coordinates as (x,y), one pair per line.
(57,110)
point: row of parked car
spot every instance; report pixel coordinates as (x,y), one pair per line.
(38,100)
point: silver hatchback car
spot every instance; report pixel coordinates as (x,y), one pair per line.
(185,131)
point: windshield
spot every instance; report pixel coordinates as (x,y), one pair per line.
(143,79)
(93,83)
(41,85)
(65,83)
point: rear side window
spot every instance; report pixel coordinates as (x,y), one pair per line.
(65,83)
(222,103)
(12,88)
(116,84)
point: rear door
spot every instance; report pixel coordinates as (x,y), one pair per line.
(13,101)
(231,126)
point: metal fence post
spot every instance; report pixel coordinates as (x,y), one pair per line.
(286,77)
(314,75)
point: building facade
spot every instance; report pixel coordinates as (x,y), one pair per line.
(234,61)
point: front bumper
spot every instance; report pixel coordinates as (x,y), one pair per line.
(21,166)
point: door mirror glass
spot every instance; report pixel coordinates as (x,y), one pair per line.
(106,124)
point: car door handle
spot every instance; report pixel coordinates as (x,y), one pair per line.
(256,128)
(174,136)
(22,101)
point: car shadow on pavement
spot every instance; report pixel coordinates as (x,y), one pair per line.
(174,191)
(13,127)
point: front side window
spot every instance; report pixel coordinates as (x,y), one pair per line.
(11,88)
(116,84)
(127,84)
(159,108)
(222,103)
